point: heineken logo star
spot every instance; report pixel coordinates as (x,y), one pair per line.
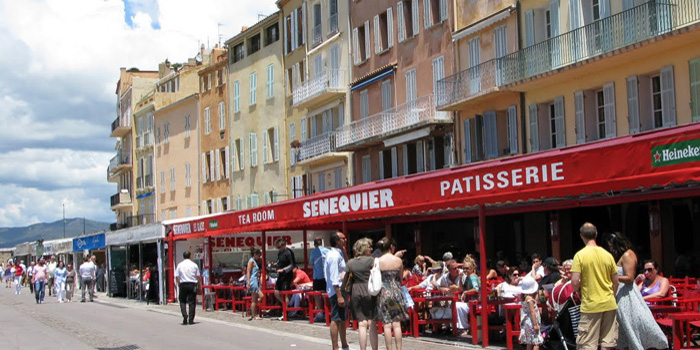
(657,156)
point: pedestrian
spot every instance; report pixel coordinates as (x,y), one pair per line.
(637,327)
(285,276)
(530,322)
(87,279)
(30,273)
(70,283)
(100,284)
(52,268)
(391,306)
(253,282)
(363,305)
(187,277)
(317,259)
(59,276)
(18,275)
(24,273)
(594,277)
(40,276)
(8,274)
(334,270)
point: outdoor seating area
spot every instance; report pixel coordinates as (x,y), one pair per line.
(678,314)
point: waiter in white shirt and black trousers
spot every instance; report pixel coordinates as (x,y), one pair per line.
(187,277)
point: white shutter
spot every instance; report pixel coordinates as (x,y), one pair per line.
(234,156)
(405,159)
(394,162)
(377,36)
(356,46)
(513,129)
(427,20)
(341,114)
(303,129)
(285,30)
(529,28)
(218,164)
(467,141)
(381,165)
(402,24)
(668,97)
(438,74)
(580,116)
(420,160)
(390,27)
(253,87)
(218,205)
(633,104)
(241,160)
(314,132)
(303,23)
(204,167)
(228,203)
(249,200)
(265,149)
(560,128)
(368,53)
(609,107)
(604,8)
(227,171)
(414,12)
(276,145)
(534,130)
(443,10)
(212,163)
(204,208)
(574,14)
(554,17)
(270,81)
(253,137)
(490,134)
(695,90)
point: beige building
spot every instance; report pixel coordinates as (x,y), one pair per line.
(214,152)
(132,85)
(317,65)
(256,110)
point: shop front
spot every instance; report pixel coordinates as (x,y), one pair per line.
(85,246)
(62,249)
(135,263)
(23,252)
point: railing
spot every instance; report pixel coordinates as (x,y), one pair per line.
(318,145)
(407,115)
(469,82)
(333,23)
(625,28)
(318,35)
(120,198)
(327,80)
(132,221)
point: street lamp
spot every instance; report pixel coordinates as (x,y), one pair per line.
(64,220)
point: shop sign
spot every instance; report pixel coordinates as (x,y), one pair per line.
(214,224)
(89,243)
(256,217)
(135,234)
(187,228)
(676,153)
(247,241)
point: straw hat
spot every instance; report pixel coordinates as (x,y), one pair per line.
(528,285)
(437,266)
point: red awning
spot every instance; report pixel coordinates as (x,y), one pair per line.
(654,159)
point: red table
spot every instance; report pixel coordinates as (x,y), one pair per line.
(681,327)
(475,309)
(416,321)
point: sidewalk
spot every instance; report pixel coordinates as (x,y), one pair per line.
(317,331)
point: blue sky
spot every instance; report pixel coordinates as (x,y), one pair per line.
(61,63)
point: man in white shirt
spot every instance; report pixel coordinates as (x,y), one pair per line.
(537,268)
(451,282)
(52,267)
(333,270)
(187,277)
(87,279)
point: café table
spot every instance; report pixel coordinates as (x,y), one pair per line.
(681,328)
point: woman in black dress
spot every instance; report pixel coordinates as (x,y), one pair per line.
(362,304)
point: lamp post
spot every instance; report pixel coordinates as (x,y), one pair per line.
(64,220)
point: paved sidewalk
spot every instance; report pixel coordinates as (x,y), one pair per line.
(317,331)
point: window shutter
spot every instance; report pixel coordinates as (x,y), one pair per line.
(401,27)
(253,149)
(227,170)
(467,141)
(513,129)
(443,10)
(394,163)
(604,8)
(438,74)
(554,17)
(609,107)
(356,46)
(270,81)
(204,208)
(265,140)
(212,163)
(633,104)
(390,27)
(234,156)
(420,160)
(303,129)
(381,165)
(529,28)
(253,87)
(377,36)
(559,125)
(368,53)
(204,167)
(341,114)
(426,14)
(218,164)
(218,205)
(534,130)
(574,14)
(491,134)
(668,97)
(414,12)
(242,153)
(303,23)
(249,200)
(405,159)
(580,116)
(276,145)
(695,90)
(228,203)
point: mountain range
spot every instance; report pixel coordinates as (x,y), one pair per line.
(12,236)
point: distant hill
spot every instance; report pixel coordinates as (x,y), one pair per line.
(12,236)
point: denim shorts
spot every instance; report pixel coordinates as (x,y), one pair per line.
(338,313)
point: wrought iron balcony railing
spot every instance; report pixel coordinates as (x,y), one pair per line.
(328,80)
(468,83)
(318,35)
(392,121)
(119,159)
(316,146)
(123,197)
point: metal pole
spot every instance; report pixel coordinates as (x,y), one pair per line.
(64,220)
(484,271)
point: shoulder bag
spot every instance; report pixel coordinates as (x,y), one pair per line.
(374,285)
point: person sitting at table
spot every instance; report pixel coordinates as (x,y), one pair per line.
(509,288)
(471,280)
(453,282)
(499,273)
(429,283)
(420,267)
(650,283)
(550,266)
(301,281)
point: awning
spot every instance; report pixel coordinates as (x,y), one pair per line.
(22,249)
(652,160)
(483,23)
(58,246)
(137,234)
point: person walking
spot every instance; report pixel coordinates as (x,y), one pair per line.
(187,277)
(19,273)
(39,278)
(87,279)
(362,304)
(333,271)
(70,283)
(30,273)
(318,259)
(59,276)
(637,328)
(52,268)
(9,273)
(391,307)
(253,282)
(594,277)
(285,276)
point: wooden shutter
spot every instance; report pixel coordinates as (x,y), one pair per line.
(534,130)
(427,19)
(467,140)
(420,160)
(695,90)
(414,13)
(394,163)
(560,129)
(604,8)
(276,144)
(253,149)
(227,170)
(554,17)
(529,28)
(574,14)
(401,27)
(404,157)
(218,164)
(265,148)
(381,165)
(443,10)
(390,27)
(234,156)
(633,104)
(377,36)
(513,129)
(368,53)
(668,97)
(609,107)
(212,164)
(242,152)
(356,46)
(490,134)
(303,23)
(204,167)
(580,116)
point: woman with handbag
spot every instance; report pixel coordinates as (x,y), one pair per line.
(391,309)
(362,304)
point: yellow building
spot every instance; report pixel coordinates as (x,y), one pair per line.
(256,110)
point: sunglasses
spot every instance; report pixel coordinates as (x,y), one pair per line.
(649,270)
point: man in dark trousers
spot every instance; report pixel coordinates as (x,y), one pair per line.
(285,263)
(187,277)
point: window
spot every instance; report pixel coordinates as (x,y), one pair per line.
(225,205)
(366,169)
(253,139)
(594,113)
(272,34)
(225,162)
(172,179)
(338,176)
(222,116)
(600,113)
(236,96)
(187,126)
(364,104)
(386,95)
(207,121)
(162,215)
(253,87)
(333,18)
(158,135)
(474,68)
(188,212)
(383,31)
(173,214)
(239,203)
(408,19)
(438,74)
(411,85)
(361,43)
(656,108)
(188,176)
(270,81)
(292,151)
(295,24)
(318,28)
(253,44)
(434,12)
(271,146)
(166,132)
(238,52)
(321,181)
(238,154)
(162,181)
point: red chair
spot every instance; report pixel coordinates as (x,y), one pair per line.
(311,302)
(285,307)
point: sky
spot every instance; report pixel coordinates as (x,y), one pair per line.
(60,63)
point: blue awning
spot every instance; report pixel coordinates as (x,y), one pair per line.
(144,195)
(374,79)
(89,243)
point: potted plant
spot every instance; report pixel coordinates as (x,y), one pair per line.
(295,144)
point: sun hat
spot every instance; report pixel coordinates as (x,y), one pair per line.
(528,285)
(437,266)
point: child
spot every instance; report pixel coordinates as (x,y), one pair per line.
(530,315)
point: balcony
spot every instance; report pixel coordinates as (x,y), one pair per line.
(318,150)
(597,38)
(411,115)
(116,165)
(469,84)
(120,127)
(330,83)
(318,35)
(132,221)
(120,200)
(144,181)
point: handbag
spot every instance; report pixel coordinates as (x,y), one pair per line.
(374,285)
(346,287)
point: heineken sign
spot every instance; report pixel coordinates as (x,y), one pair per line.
(676,153)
